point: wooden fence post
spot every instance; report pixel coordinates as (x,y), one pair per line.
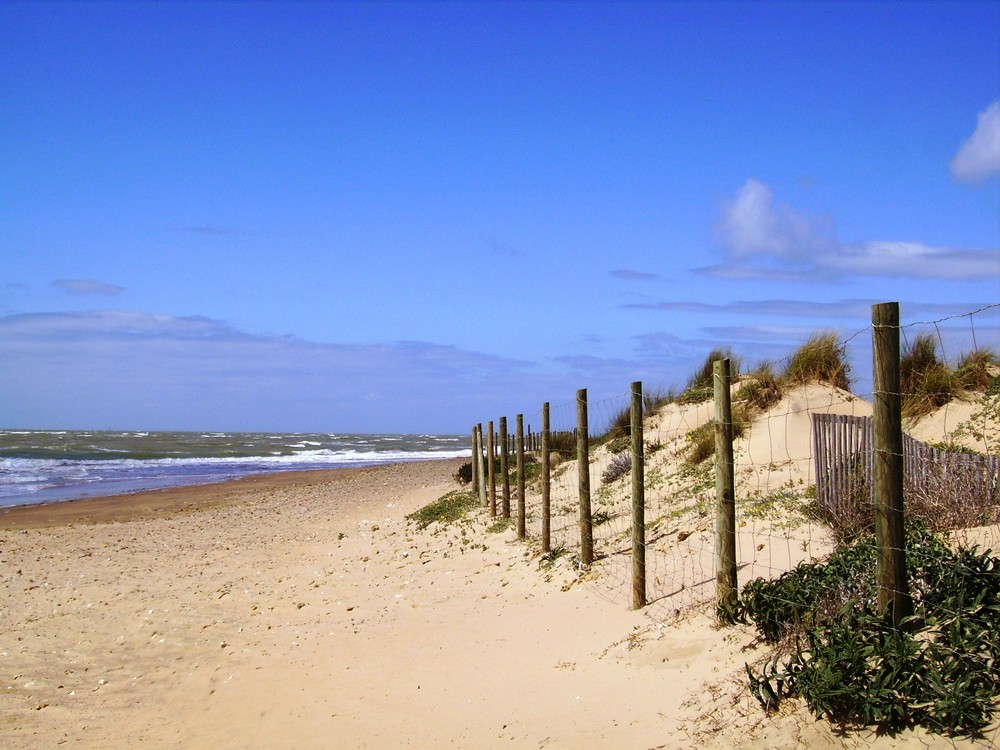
(505,467)
(481,464)
(521,530)
(491,468)
(638,503)
(474,480)
(726,589)
(583,473)
(890,535)
(546,483)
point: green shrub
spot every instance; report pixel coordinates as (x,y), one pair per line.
(852,666)
(464,473)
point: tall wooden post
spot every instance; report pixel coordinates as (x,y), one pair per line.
(893,588)
(546,483)
(522,531)
(474,480)
(638,502)
(725,496)
(505,467)
(491,468)
(482,464)
(583,474)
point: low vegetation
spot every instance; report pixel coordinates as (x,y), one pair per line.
(853,667)
(563,442)
(619,466)
(446,509)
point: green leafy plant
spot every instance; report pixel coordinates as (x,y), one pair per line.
(600,517)
(549,558)
(853,666)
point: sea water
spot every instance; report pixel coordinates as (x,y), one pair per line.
(39,466)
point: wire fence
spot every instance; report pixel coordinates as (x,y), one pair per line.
(801,490)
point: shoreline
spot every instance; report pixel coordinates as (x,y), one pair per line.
(171,501)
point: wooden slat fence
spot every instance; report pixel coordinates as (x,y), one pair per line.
(843,452)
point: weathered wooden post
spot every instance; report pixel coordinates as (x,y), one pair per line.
(474,479)
(725,515)
(638,502)
(521,526)
(491,468)
(583,474)
(890,535)
(482,464)
(505,467)
(546,483)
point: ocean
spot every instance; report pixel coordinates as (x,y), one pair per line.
(40,466)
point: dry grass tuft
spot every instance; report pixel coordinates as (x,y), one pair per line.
(921,373)
(821,359)
(761,389)
(976,370)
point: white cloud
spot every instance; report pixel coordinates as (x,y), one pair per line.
(979,156)
(753,225)
(763,239)
(88,286)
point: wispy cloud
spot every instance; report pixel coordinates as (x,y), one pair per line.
(123,367)
(979,156)
(765,239)
(630,275)
(88,286)
(838,310)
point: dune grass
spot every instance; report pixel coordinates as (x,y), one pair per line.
(927,382)
(820,360)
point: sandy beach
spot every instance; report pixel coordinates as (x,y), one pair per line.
(305,611)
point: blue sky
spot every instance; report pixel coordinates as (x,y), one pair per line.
(414,216)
